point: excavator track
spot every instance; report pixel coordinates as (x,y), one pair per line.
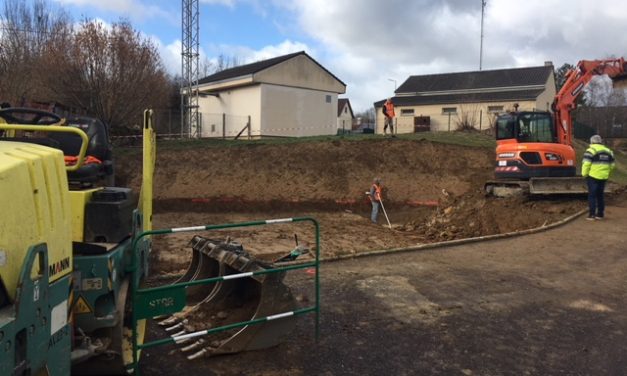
(230,301)
(570,186)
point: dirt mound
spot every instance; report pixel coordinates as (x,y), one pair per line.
(473,215)
(327,180)
(328,170)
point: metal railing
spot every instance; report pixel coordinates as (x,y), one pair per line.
(152,302)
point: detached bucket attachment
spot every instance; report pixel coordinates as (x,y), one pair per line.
(231,301)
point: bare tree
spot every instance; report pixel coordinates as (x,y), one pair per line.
(468,117)
(598,91)
(560,75)
(111,73)
(206,67)
(28,30)
(225,62)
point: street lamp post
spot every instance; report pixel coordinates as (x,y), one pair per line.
(393,80)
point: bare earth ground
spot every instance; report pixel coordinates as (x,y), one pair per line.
(548,303)
(541,304)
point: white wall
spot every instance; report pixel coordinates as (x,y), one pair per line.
(296,112)
(300,71)
(440,120)
(344,120)
(237,104)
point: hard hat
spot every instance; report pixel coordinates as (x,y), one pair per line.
(596,139)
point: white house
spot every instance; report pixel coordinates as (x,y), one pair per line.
(286,96)
(441,102)
(345,115)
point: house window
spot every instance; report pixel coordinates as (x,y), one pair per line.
(345,110)
(495,108)
(213,128)
(449,110)
(407,112)
(328,99)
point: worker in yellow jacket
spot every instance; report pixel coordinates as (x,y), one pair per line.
(598,163)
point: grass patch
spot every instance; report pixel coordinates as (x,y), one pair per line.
(473,139)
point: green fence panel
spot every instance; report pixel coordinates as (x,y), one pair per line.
(169,299)
(150,303)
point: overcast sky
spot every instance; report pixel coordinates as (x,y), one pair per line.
(369,43)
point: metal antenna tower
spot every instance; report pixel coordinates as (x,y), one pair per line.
(483,4)
(189,69)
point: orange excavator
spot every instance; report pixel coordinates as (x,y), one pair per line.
(534,152)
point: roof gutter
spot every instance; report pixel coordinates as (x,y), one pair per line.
(470,91)
(226,83)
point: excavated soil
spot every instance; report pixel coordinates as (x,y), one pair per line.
(432,192)
(544,304)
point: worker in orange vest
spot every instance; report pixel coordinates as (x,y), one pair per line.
(375,199)
(388,113)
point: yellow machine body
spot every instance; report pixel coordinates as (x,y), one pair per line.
(44,201)
(78,201)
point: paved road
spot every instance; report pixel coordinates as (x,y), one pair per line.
(548,303)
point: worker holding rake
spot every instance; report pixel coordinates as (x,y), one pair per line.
(376,200)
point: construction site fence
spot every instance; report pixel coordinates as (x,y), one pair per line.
(608,122)
(143,299)
(169,124)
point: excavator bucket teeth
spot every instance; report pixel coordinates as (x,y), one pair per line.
(234,300)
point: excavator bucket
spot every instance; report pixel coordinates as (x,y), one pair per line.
(231,301)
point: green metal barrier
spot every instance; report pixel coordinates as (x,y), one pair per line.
(152,302)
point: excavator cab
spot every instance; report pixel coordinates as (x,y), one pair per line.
(527,147)
(526,127)
(529,158)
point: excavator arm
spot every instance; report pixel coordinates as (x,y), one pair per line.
(576,80)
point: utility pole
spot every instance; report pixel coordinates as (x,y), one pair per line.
(189,69)
(483,4)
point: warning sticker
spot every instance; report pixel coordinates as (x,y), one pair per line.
(81,306)
(91,284)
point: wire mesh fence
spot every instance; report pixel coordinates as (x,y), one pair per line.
(224,126)
(169,124)
(608,122)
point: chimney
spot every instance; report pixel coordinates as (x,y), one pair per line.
(548,63)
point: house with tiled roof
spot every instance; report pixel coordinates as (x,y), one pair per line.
(620,82)
(443,102)
(345,115)
(286,96)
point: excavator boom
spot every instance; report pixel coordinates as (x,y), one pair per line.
(576,80)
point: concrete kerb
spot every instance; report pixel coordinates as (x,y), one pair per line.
(448,243)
